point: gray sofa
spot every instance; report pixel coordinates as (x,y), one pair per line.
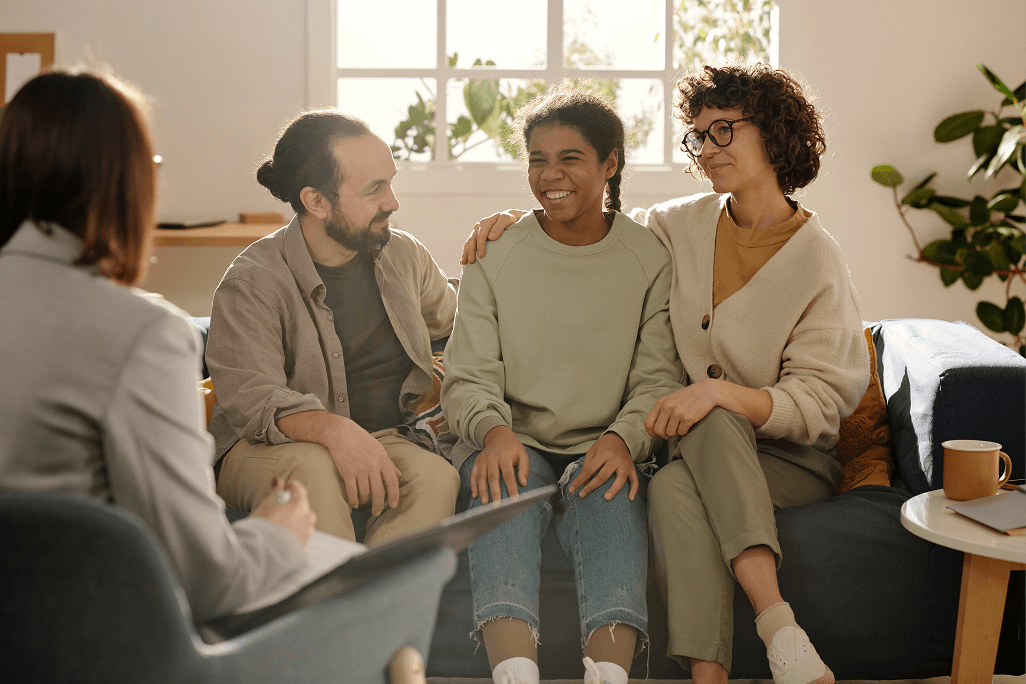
(879,602)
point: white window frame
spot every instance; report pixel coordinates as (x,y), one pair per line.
(483,177)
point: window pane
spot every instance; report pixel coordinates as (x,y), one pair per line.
(640,104)
(400,110)
(387,34)
(510,35)
(480,116)
(597,34)
(711,31)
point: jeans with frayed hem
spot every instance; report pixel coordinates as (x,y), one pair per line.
(606,542)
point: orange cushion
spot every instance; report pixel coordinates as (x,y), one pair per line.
(864,447)
(206,388)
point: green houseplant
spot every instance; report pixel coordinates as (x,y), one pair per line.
(987,234)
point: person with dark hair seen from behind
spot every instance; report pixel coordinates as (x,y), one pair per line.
(320,335)
(561,347)
(768,326)
(99,392)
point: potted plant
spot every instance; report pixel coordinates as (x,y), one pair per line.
(987,234)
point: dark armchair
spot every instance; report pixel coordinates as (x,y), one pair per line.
(86,595)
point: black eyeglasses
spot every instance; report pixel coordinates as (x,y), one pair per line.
(721,132)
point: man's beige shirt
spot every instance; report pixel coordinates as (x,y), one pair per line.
(273,350)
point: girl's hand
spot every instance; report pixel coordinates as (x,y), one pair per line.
(675,413)
(607,457)
(486,229)
(503,456)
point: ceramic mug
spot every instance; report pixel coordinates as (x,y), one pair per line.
(971,468)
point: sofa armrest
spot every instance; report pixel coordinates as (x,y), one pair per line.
(947,381)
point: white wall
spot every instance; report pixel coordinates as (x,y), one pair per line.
(226,75)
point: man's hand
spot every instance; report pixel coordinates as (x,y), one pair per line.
(294,514)
(503,456)
(675,413)
(486,229)
(367,471)
(607,457)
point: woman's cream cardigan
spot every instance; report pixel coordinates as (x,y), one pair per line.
(794,330)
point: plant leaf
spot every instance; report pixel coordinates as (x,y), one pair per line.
(987,138)
(948,201)
(1005,150)
(481,97)
(1016,247)
(957,126)
(998,84)
(978,211)
(887,175)
(1005,202)
(949,276)
(923,183)
(971,280)
(1015,316)
(991,315)
(998,256)
(950,215)
(919,198)
(462,127)
(981,163)
(1018,95)
(976,264)
(941,252)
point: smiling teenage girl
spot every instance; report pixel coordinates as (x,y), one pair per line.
(561,347)
(768,328)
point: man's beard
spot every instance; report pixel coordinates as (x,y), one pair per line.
(366,240)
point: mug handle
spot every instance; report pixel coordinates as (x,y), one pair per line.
(1008,468)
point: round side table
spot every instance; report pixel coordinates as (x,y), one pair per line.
(989,557)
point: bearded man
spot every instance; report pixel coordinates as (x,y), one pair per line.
(319,332)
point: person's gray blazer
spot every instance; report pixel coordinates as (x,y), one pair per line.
(99,398)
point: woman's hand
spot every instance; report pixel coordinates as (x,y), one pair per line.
(294,513)
(486,229)
(503,456)
(676,413)
(607,457)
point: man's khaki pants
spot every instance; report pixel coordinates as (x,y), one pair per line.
(427,487)
(713,500)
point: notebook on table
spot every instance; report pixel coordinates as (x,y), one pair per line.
(455,533)
(1003,512)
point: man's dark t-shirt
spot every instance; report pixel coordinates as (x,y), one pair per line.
(376,363)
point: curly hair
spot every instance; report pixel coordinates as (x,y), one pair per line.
(791,127)
(570,104)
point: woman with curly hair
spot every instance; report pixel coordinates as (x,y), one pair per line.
(768,327)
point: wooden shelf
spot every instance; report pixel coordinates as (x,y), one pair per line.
(223,235)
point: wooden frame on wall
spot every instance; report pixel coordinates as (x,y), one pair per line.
(21,43)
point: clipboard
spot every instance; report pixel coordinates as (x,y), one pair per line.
(455,533)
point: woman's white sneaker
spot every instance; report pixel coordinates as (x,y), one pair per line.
(793,659)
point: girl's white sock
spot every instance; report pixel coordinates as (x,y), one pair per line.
(516,671)
(603,673)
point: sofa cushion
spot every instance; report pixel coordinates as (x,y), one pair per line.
(942,381)
(864,447)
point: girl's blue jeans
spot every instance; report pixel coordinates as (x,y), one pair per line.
(606,542)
